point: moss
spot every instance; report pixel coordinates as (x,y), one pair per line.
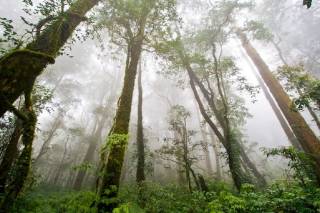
(117,140)
(26,52)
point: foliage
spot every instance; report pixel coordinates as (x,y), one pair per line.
(278,197)
(259,31)
(9,35)
(301,82)
(46,200)
(126,19)
(117,140)
(299,162)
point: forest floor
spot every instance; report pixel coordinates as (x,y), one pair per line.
(281,196)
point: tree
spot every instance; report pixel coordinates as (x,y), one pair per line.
(11,186)
(298,80)
(132,24)
(140,176)
(181,149)
(28,118)
(20,68)
(307,87)
(308,140)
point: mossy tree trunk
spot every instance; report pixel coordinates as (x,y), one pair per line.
(233,162)
(10,155)
(231,146)
(306,137)
(22,168)
(19,69)
(117,139)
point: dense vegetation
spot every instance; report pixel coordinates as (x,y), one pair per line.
(145,106)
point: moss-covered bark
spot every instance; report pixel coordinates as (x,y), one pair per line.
(230,144)
(306,137)
(10,155)
(24,161)
(116,141)
(19,69)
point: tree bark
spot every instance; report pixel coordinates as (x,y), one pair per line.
(24,161)
(10,155)
(308,140)
(261,181)
(310,110)
(140,176)
(109,183)
(283,122)
(19,69)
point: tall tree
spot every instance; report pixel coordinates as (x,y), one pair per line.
(140,176)
(28,118)
(132,24)
(308,140)
(20,68)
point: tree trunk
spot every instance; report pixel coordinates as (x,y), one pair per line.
(10,155)
(20,68)
(24,160)
(310,110)
(59,170)
(283,122)
(233,161)
(140,176)
(308,140)
(206,145)
(45,146)
(90,152)
(117,142)
(261,181)
(216,153)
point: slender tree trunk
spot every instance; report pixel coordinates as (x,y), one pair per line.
(24,161)
(308,140)
(283,122)
(234,162)
(19,69)
(276,45)
(109,183)
(261,181)
(140,176)
(10,155)
(206,145)
(226,139)
(59,170)
(310,110)
(217,158)
(45,146)
(314,116)
(90,152)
